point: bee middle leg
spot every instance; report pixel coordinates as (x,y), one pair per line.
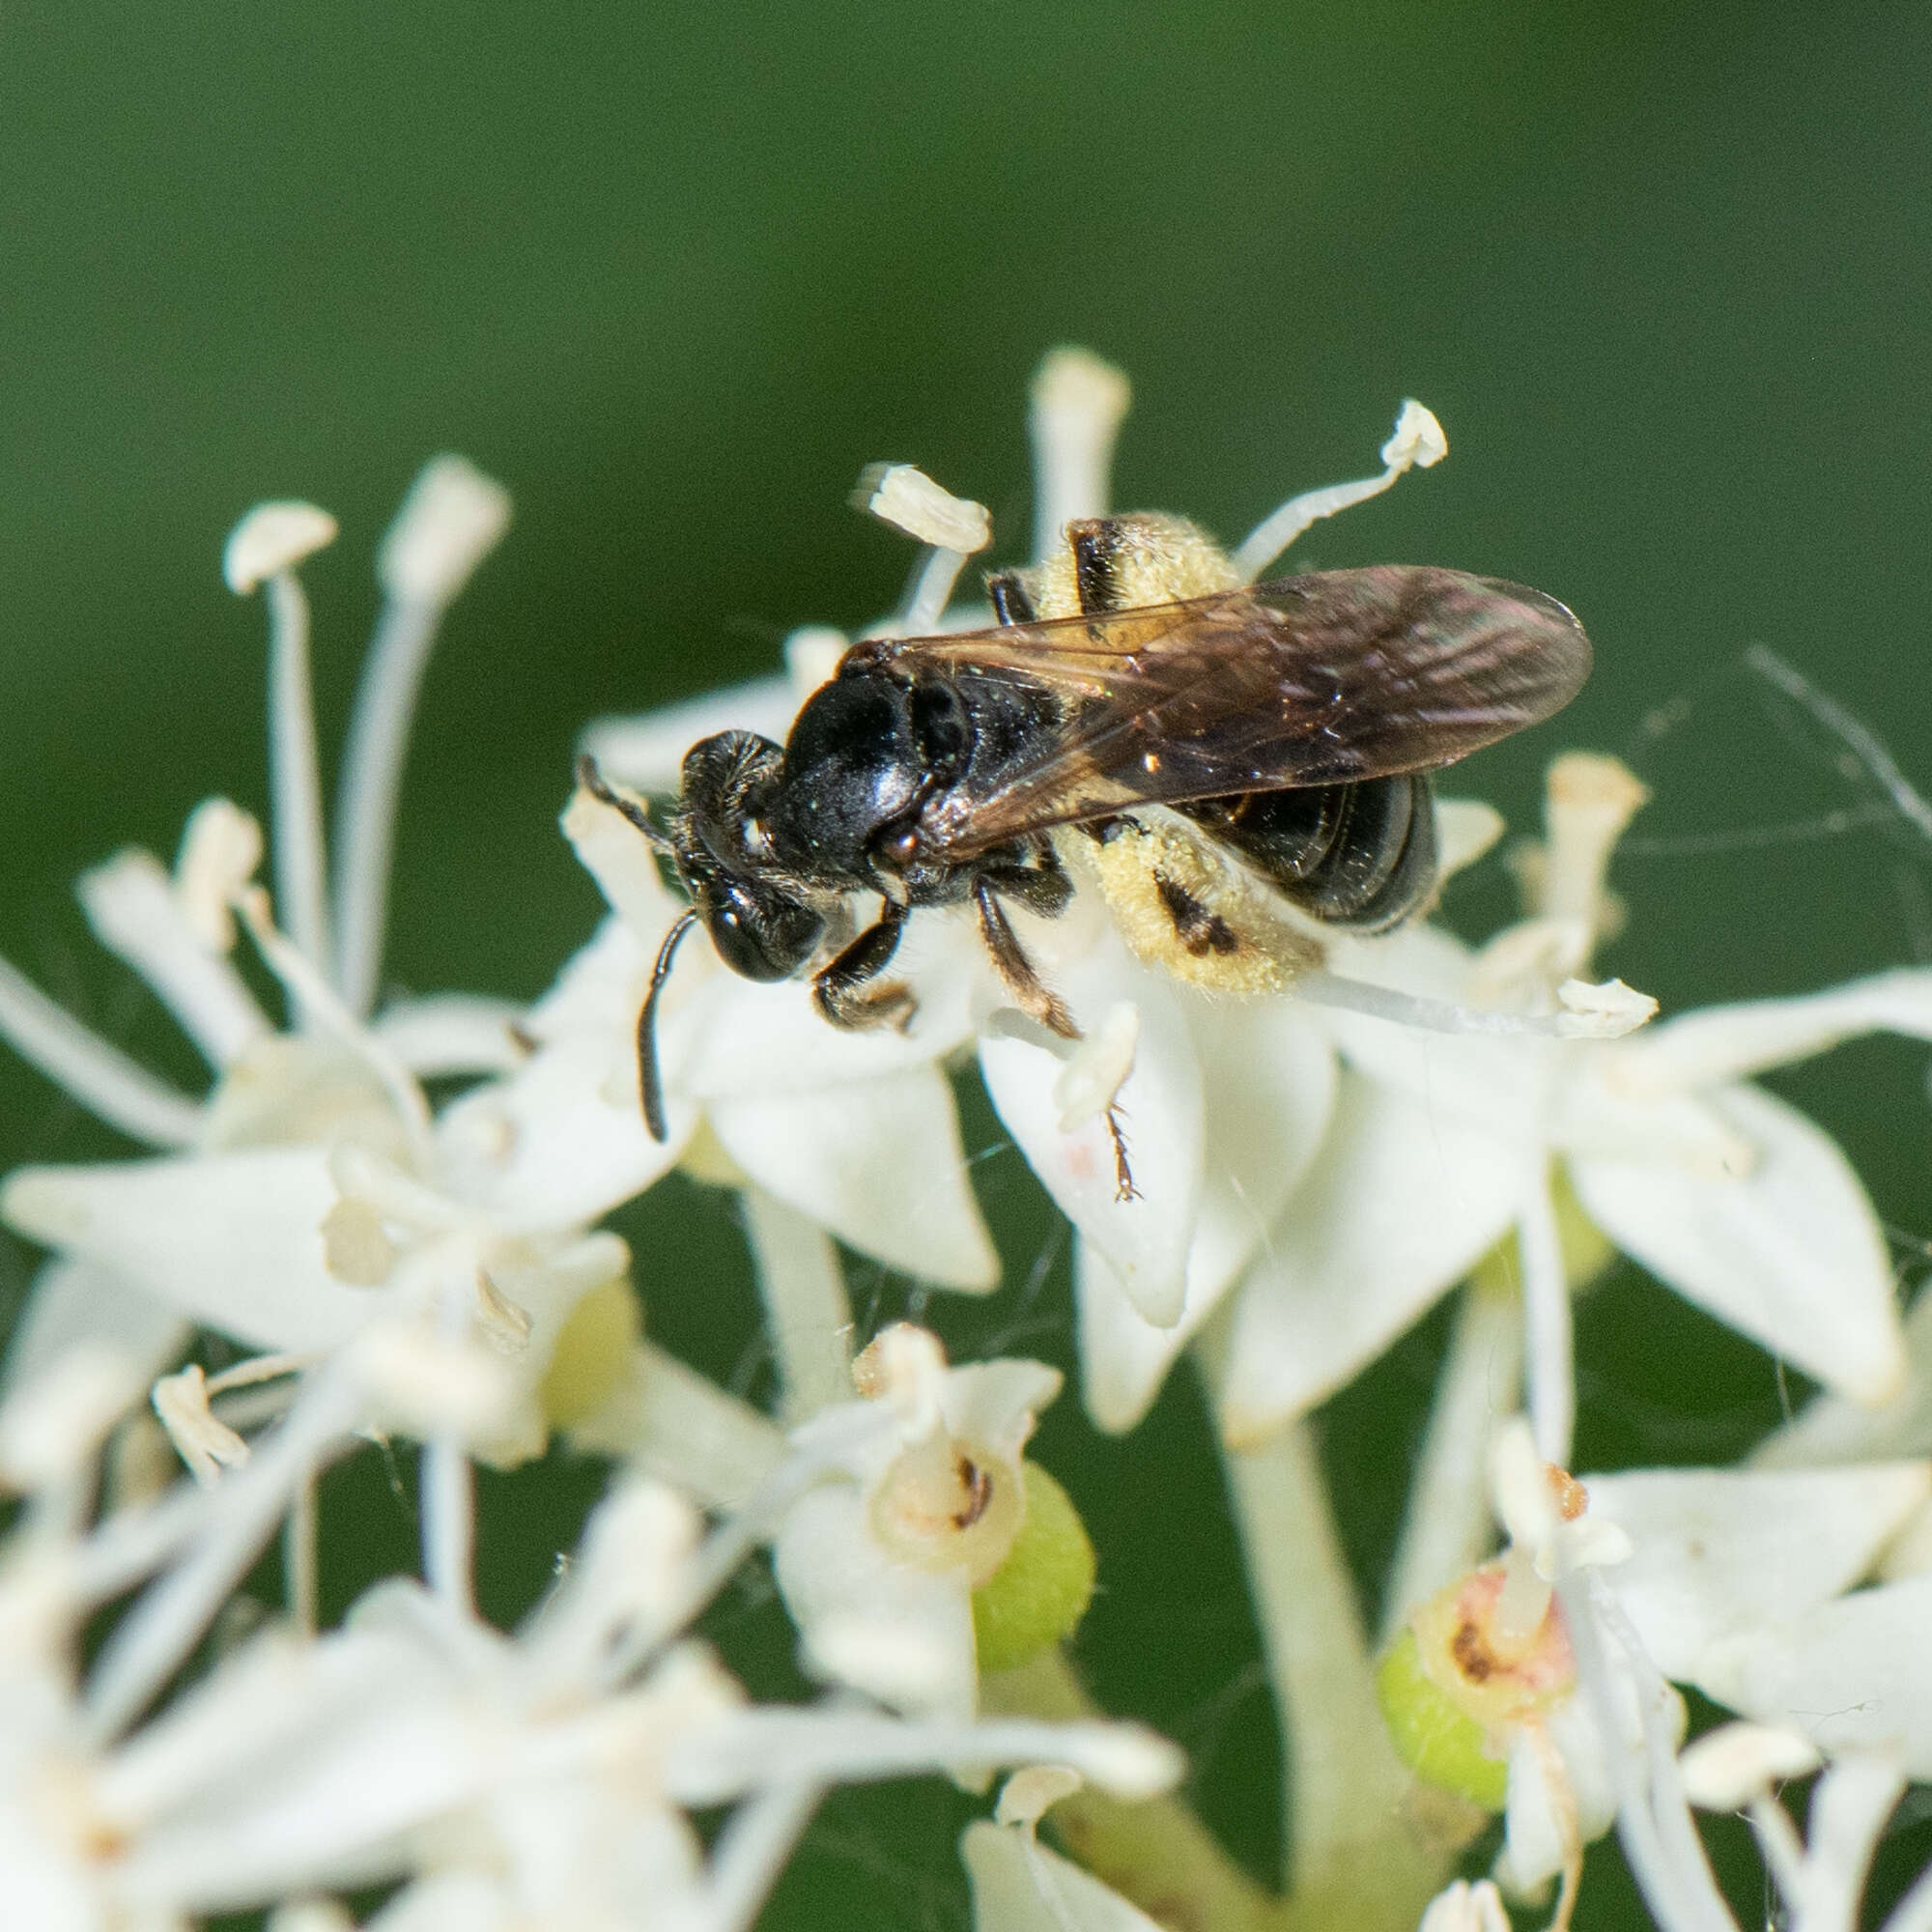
(1039,882)
(843,991)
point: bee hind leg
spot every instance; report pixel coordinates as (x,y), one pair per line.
(843,991)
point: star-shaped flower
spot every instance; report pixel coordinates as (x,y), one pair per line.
(1443,1145)
(926,1494)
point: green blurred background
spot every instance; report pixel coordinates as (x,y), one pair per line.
(675,273)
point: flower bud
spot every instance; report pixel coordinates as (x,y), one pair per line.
(1038,1596)
(1456,1683)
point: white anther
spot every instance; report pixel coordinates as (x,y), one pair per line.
(1726,1769)
(205,1442)
(1026,1796)
(905,496)
(1417,441)
(221,849)
(1606,1012)
(273,537)
(450,520)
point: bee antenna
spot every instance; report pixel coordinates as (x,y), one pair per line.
(594,782)
(650,1086)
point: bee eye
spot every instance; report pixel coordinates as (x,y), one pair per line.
(904,847)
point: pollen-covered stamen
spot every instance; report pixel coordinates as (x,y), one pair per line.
(1078,404)
(1418,442)
(265,546)
(450,520)
(1586,1011)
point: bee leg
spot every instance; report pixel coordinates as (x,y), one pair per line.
(1123,1174)
(1096,542)
(1030,993)
(843,993)
(1009,597)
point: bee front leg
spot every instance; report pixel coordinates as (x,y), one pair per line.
(843,993)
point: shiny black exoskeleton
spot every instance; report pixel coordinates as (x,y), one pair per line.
(769,840)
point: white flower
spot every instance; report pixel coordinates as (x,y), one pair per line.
(308,1198)
(857,1131)
(1222,1105)
(545,1779)
(1019,1885)
(879,1564)
(1443,1145)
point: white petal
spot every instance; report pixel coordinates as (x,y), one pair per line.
(1790,1254)
(1855,1674)
(750,1039)
(878,1162)
(1397,1209)
(1730,1042)
(232,1241)
(1830,1429)
(1146,1240)
(1268,1079)
(901,1634)
(1726,1769)
(451,1901)
(1533,1849)
(1467,828)
(619,858)
(1718,1550)
(648,750)
(1124,1357)
(74,1302)
(563,1139)
(1848,1810)
(1463,1907)
(453,1033)
(1019,1885)
(601,987)
(674,1424)
(996,1403)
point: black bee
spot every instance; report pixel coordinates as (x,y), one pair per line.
(1233,754)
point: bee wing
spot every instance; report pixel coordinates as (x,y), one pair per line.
(1315,679)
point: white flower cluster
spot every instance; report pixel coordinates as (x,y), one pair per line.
(1312,1171)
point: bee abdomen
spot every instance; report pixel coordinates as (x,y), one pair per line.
(1360,855)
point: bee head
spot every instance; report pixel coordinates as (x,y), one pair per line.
(760,918)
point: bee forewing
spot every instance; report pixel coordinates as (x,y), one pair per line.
(1317,679)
